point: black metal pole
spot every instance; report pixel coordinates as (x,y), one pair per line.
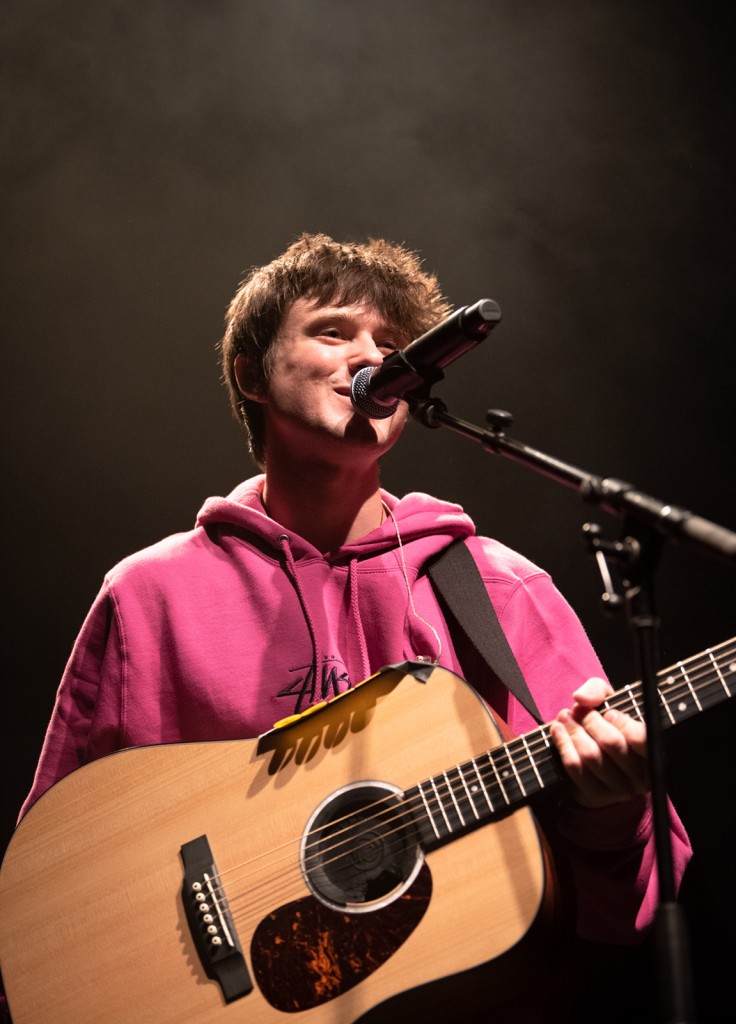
(675,990)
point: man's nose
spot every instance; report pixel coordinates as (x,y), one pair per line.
(365,351)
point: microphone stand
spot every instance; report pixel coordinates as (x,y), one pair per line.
(646,524)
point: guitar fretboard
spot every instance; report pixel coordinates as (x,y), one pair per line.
(502,779)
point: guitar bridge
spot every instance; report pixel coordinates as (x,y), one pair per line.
(210,922)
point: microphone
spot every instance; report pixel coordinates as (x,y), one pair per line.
(375,390)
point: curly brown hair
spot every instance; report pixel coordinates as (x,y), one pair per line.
(387,277)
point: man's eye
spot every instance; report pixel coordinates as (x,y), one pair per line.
(330,332)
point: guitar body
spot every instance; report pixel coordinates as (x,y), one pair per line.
(93,925)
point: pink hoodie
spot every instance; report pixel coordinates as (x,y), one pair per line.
(215,634)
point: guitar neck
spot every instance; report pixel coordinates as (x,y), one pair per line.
(493,784)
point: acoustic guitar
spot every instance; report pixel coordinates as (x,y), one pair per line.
(372,855)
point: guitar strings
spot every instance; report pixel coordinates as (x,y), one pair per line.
(694,678)
(401,818)
(406,808)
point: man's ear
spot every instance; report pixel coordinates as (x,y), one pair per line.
(246,384)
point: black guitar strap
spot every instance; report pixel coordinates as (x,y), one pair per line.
(456,579)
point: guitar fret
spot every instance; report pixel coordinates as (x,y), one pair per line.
(690,685)
(452,796)
(441,805)
(506,772)
(467,792)
(482,785)
(546,758)
(719,673)
(513,766)
(464,796)
(430,816)
(544,761)
(634,708)
(532,762)
(665,699)
(499,780)
(676,703)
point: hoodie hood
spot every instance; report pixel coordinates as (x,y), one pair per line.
(234,625)
(347,613)
(418,517)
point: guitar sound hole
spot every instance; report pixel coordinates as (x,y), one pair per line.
(360,848)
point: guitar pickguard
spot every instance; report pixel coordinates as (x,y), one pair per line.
(305,954)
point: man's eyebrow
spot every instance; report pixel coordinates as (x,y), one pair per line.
(338,315)
(334,313)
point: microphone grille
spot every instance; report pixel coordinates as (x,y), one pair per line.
(361,397)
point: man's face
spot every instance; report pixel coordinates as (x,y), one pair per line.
(307,401)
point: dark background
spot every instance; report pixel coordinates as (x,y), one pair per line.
(571,159)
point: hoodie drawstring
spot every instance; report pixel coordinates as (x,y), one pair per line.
(292,570)
(353,578)
(291,565)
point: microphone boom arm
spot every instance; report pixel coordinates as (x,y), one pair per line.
(613,496)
